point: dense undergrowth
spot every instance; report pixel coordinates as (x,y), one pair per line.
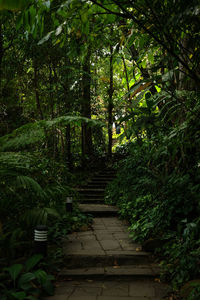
(157,189)
(33,191)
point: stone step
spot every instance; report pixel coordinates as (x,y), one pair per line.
(108,171)
(116,289)
(96,186)
(98,210)
(97,200)
(115,258)
(100,185)
(107,175)
(131,271)
(100,179)
(90,190)
(105,243)
(91,196)
(103,177)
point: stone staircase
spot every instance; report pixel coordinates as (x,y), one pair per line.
(105,256)
(93,192)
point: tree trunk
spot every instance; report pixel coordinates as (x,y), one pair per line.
(1,51)
(86,108)
(67,144)
(51,96)
(110,105)
(68,147)
(37,97)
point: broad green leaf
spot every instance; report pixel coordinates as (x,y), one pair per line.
(24,279)
(48,287)
(19,295)
(14,271)
(41,276)
(33,261)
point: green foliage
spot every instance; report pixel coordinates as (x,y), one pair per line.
(13,4)
(44,51)
(24,202)
(25,281)
(69,222)
(33,133)
(157,189)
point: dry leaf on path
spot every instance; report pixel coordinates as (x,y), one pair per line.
(138,249)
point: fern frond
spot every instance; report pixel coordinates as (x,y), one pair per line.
(14,161)
(32,133)
(30,184)
(36,216)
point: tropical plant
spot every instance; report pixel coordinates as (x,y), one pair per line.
(26,281)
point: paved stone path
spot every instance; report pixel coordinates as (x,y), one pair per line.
(109,290)
(108,236)
(103,263)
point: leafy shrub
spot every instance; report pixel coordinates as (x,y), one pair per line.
(24,281)
(157,189)
(33,191)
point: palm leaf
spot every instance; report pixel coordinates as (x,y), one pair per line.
(30,184)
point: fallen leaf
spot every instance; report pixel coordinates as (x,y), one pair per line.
(138,249)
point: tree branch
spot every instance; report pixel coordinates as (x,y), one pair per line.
(128,15)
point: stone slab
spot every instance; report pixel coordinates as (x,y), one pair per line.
(116,271)
(110,245)
(97,208)
(115,229)
(87,291)
(115,288)
(128,253)
(92,252)
(99,227)
(91,245)
(121,235)
(64,290)
(77,297)
(129,271)
(90,237)
(101,237)
(121,298)
(112,220)
(142,289)
(72,248)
